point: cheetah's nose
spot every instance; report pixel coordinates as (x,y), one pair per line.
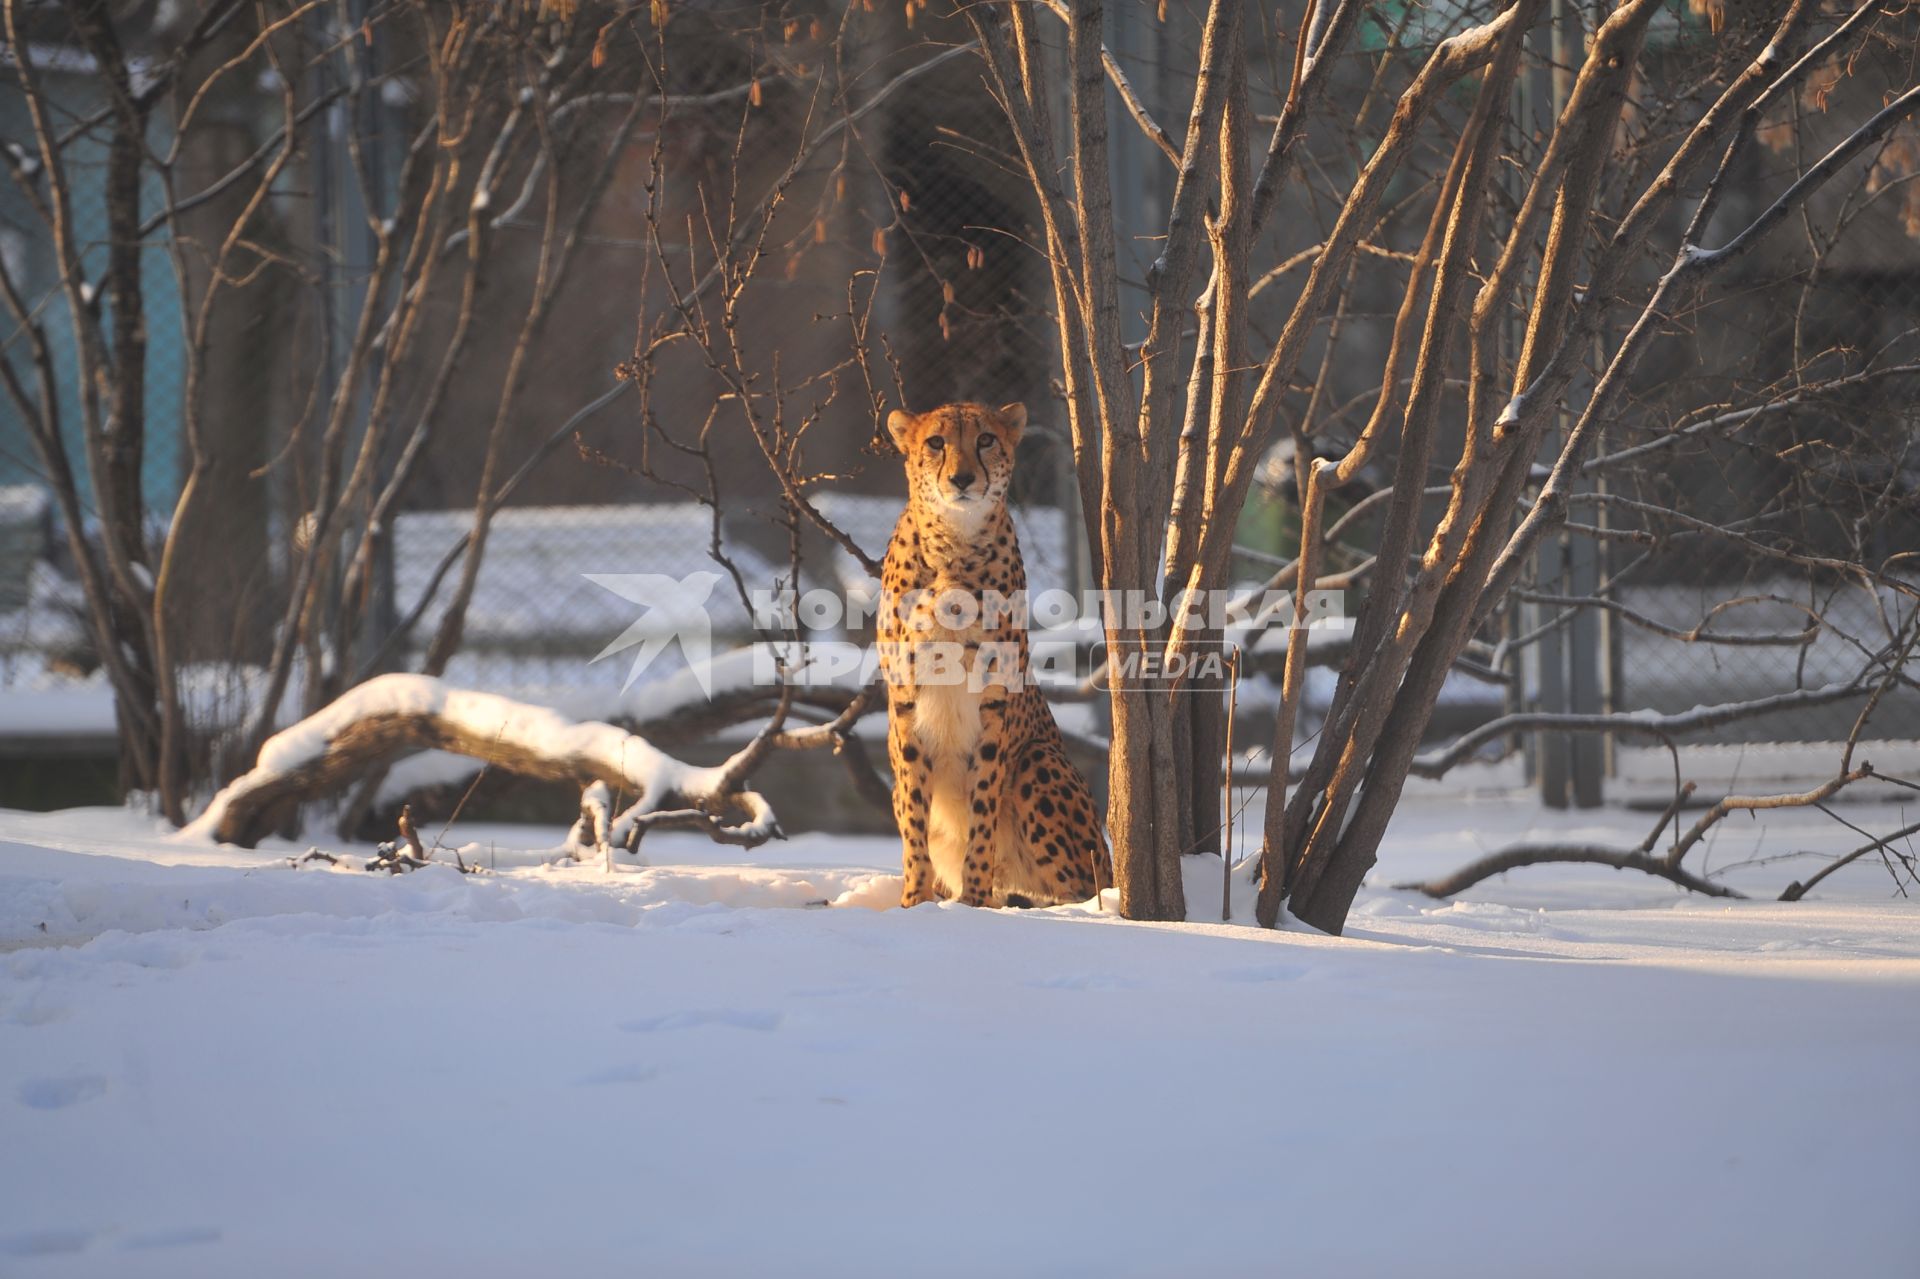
(963,481)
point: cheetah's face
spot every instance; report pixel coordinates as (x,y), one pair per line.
(960,457)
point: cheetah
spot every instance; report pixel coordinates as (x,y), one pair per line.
(991,811)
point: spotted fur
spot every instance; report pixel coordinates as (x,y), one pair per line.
(991,811)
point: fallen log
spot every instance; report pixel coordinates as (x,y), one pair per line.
(392,716)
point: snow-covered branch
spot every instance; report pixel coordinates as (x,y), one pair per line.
(396,715)
(1521,855)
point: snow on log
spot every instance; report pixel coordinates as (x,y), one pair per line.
(398,715)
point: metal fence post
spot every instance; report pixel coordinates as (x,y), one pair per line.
(1551,688)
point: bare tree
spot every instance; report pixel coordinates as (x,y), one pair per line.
(1198,401)
(442,130)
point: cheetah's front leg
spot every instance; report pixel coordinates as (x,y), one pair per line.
(912,789)
(986,774)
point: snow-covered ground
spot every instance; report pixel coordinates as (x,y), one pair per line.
(212,1063)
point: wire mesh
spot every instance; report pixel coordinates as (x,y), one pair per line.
(44,637)
(920,222)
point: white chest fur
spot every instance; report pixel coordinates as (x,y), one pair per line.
(946,721)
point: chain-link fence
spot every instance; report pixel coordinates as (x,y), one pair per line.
(44,639)
(917,232)
(908,223)
(1753,559)
(900,266)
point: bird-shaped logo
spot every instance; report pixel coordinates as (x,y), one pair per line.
(674,608)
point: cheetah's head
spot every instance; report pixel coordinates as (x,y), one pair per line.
(959,457)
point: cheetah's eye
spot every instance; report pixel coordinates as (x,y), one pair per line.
(935,443)
(988,441)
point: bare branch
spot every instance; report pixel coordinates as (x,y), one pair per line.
(1523,855)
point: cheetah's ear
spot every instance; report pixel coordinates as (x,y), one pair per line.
(1013,417)
(898,423)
